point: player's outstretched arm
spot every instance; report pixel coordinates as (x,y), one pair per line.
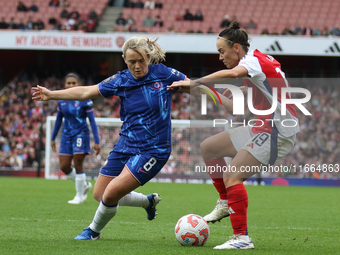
(76,93)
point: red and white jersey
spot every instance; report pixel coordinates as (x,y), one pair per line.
(264,75)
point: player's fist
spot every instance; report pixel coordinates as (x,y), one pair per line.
(97,148)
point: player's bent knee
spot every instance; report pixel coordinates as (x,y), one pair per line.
(97,196)
(206,150)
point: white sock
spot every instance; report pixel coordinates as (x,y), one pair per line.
(80,181)
(134,199)
(72,175)
(224,201)
(102,216)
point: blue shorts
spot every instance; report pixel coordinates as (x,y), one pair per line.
(79,144)
(142,166)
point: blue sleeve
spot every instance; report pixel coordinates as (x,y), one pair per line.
(90,115)
(109,87)
(57,124)
(175,75)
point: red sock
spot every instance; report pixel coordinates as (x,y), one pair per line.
(217,176)
(238,204)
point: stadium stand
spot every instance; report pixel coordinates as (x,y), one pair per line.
(9,9)
(320,16)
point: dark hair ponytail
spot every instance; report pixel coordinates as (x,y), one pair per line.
(235,34)
(74,75)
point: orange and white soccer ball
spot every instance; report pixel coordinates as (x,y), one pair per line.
(192,230)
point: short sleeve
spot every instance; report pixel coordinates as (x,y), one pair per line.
(175,75)
(109,87)
(252,64)
(88,104)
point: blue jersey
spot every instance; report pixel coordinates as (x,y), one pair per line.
(145,108)
(75,114)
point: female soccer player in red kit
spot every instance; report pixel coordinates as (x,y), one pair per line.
(264,143)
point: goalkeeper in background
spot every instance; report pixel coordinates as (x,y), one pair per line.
(75,139)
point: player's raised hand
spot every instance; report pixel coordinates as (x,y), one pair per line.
(40,94)
(180,84)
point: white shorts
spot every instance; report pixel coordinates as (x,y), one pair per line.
(266,148)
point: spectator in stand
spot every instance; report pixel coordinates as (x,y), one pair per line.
(139,4)
(21,7)
(210,31)
(12,24)
(120,21)
(225,22)
(251,24)
(158,4)
(54,3)
(149,5)
(297,30)
(34,7)
(129,4)
(64,3)
(30,23)
(171,30)
(326,32)
(275,32)
(16,161)
(188,15)
(198,15)
(132,27)
(287,31)
(158,21)
(148,21)
(52,21)
(21,25)
(39,25)
(91,25)
(265,31)
(74,14)
(3,23)
(93,15)
(64,14)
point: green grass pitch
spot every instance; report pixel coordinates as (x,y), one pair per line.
(35,218)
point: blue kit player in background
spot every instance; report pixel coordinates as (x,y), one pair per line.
(75,139)
(145,138)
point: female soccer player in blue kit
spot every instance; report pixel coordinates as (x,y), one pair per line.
(145,138)
(75,140)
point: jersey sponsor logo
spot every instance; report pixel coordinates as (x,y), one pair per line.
(110,78)
(63,103)
(175,72)
(156,85)
(76,105)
